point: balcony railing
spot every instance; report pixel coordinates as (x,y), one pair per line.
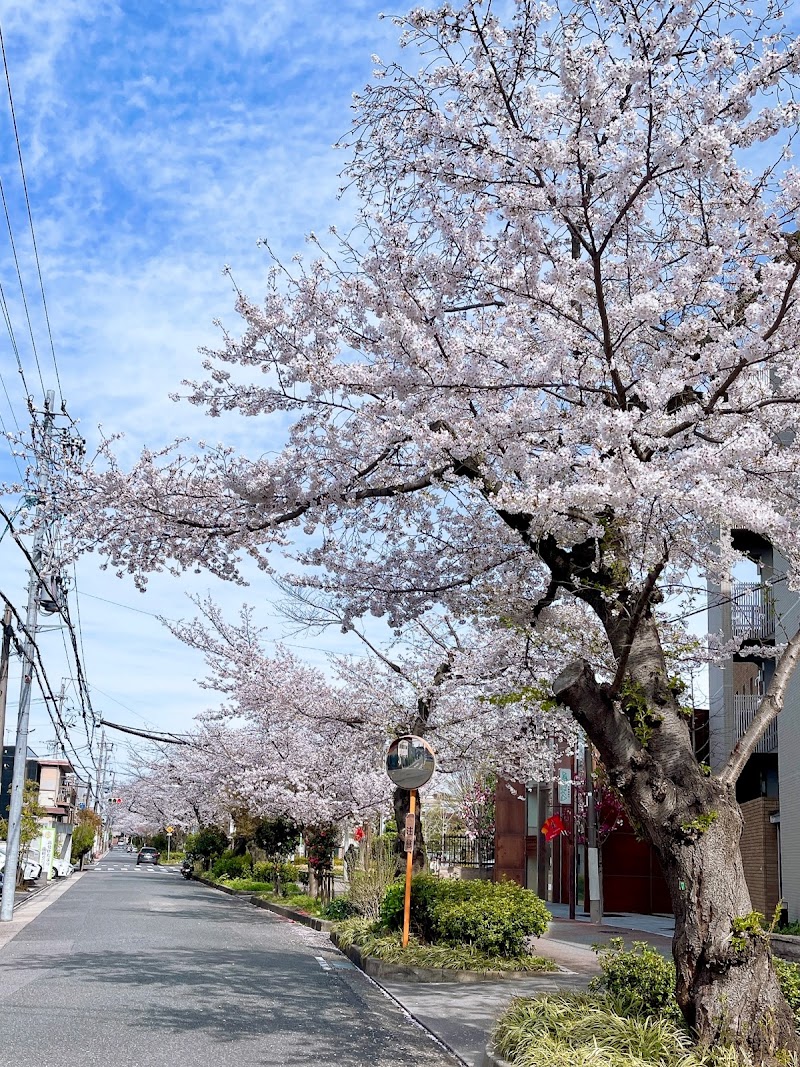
(752,612)
(745,706)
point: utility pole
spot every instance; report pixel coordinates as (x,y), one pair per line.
(593,872)
(100,799)
(23,716)
(5,655)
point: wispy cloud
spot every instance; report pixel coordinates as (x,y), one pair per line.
(162,141)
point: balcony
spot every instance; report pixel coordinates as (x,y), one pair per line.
(752,612)
(745,706)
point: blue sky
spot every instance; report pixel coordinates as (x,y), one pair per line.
(160,141)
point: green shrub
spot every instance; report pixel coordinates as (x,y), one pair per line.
(261,871)
(789,979)
(425,890)
(494,917)
(338,909)
(640,981)
(230,866)
(207,843)
(277,873)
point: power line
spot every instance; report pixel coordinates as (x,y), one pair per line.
(161,737)
(30,219)
(14,349)
(21,284)
(726,600)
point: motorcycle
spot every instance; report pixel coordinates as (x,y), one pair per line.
(187,867)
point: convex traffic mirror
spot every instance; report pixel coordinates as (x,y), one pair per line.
(410,762)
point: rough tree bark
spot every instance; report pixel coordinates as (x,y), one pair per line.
(401,803)
(726,985)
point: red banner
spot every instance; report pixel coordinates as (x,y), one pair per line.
(552,827)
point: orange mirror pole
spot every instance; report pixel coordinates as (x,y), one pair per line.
(409,863)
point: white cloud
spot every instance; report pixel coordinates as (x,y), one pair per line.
(161,141)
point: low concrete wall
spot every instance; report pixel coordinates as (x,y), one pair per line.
(786,946)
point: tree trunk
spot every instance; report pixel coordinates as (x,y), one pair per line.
(726,985)
(401,801)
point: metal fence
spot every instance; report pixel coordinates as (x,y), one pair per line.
(459,850)
(745,705)
(752,611)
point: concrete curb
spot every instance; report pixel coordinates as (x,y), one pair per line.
(491,1060)
(380,969)
(221,888)
(35,905)
(325,925)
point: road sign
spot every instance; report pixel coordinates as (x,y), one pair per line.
(564,785)
(410,762)
(170,829)
(408,832)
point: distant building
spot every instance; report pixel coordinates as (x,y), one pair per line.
(757,606)
(59,792)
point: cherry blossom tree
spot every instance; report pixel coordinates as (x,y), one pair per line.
(444,681)
(553,363)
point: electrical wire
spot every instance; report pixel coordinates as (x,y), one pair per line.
(21,285)
(764,586)
(30,217)
(161,738)
(63,610)
(41,676)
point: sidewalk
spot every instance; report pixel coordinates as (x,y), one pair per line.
(34,904)
(462,1016)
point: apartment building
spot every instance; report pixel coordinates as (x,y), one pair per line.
(58,796)
(756,605)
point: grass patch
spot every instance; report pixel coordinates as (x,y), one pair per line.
(388,947)
(245,885)
(587,1030)
(298,901)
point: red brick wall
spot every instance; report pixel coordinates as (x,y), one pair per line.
(509,833)
(759,845)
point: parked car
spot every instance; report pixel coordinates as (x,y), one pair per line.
(147,855)
(61,869)
(31,870)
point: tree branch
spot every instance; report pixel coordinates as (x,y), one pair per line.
(594,709)
(771,704)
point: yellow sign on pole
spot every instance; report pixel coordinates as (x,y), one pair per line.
(170,829)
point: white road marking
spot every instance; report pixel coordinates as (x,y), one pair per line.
(323,963)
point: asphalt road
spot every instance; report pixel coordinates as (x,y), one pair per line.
(133,967)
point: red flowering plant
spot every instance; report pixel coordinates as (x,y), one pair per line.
(609,809)
(320,843)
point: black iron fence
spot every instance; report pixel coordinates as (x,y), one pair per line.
(459,850)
